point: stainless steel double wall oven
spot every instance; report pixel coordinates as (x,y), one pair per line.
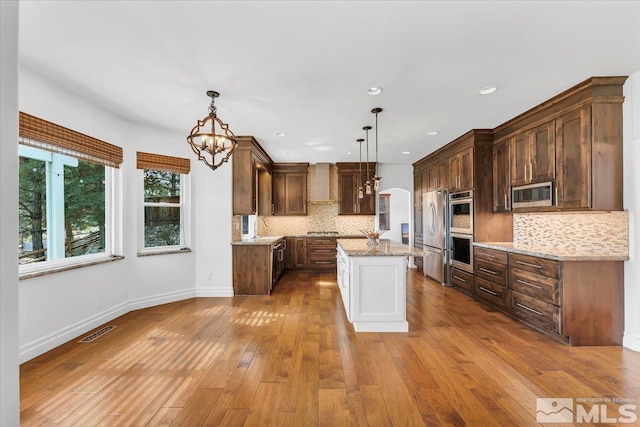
(461,230)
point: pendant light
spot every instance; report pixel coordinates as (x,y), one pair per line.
(360,190)
(367,184)
(376,178)
(207,142)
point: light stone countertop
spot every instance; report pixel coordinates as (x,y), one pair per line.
(263,240)
(359,247)
(558,254)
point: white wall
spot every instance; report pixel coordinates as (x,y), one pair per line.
(399,212)
(58,307)
(9,385)
(631,137)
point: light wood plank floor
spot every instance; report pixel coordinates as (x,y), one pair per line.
(292,359)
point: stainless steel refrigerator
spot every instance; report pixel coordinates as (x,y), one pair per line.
(435,235)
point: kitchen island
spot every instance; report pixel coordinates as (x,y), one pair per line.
(373,284)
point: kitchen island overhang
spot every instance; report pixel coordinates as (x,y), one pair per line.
(373,284)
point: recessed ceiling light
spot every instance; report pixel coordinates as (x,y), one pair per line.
(348,152)
(281,134)
(374,90)
(432,132)
(406,152)
(487,90)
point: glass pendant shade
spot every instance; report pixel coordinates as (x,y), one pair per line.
(367,187)
(360,193)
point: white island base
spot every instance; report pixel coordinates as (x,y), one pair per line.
(373,285)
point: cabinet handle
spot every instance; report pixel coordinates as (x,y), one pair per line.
(557,201)
(322,250)
(273,208)
(505,200)
(539,313)
(487,271)
(529,284)
(459,278)
(528,264)
(530,171)
(482,288)
(280,255)
(525,172)
(323,262)
(488,255)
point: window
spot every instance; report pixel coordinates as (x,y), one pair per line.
(384,222)
(165,202)
(65,199)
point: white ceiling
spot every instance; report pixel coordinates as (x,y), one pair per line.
(303,67)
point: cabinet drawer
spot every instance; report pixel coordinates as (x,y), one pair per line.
(534,285)
(545,267)
(491,292)
(491,271)
(322,263)
(461,279)
(322,241)
(535,312)
(492,255)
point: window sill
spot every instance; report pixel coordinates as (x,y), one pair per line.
(172,251)
(58,269)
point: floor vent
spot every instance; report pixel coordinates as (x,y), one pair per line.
(97,334)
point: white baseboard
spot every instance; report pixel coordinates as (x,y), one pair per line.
(57,338)
(214,292)
(631,341)
(166,298)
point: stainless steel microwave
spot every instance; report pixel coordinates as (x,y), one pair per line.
(532,195)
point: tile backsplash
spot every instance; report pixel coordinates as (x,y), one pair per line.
(599,230)
(321,215)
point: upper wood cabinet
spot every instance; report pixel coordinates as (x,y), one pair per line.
(461,170)
(251,170)
(573,139)
(418,178)
(348,183)
(501,177)
(290,188)
(438,175)
(533,155)
(573,155)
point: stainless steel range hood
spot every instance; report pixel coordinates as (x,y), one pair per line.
(321,183)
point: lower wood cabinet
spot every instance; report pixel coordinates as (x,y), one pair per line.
(321,253)
(462,280)
(256,268)
(576,302)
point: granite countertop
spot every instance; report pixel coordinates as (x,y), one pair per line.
(263,240)
(558,254)
(337,236)
(359,247)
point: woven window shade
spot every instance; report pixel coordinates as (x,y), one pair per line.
(39,133)
(164,163)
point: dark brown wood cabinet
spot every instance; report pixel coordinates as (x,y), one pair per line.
(461,170)
(251,171)
(573,156)
(573,139)
(289,253)
(321,253)
(349,179)
(502,177)
(299,252)
(438,175)
(462,280)
(533,157)
(290,188)
(256,268)
(491,276)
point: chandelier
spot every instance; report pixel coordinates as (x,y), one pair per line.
(214,147)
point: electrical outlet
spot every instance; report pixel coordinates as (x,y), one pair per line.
(209,276)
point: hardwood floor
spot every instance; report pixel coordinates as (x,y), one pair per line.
(292,359)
